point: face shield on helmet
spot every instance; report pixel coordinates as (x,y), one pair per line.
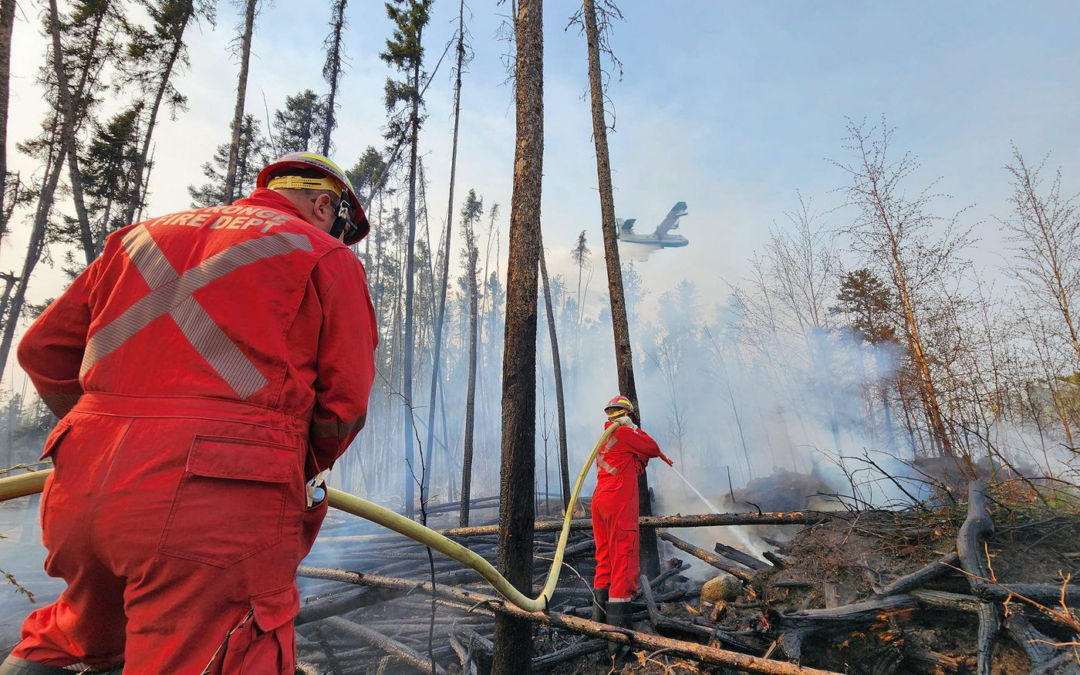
(350,220)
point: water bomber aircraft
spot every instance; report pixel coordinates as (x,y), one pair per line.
(661,237)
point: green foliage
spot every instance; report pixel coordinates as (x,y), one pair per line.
(868,303)
(404,53)
(252,157)
(366,174)
(301,125)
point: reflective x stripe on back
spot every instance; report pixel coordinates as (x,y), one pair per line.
(171,293)
(604,451)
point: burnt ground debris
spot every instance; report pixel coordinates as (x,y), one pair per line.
(860,592)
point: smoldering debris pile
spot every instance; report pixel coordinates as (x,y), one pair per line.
(981,585)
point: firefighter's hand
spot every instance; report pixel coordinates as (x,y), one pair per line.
(667,459)
(626,421)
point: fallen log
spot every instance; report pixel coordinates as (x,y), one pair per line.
(334,605)
(1041,593)
(665,625)
(716,561)
(919,578)
(392,647)
(1040,649)
(491,605)
(969,544)
(703,520)
(778,561)
(798,626)
(584,648)
(945,601)
(930,662)
(732,553)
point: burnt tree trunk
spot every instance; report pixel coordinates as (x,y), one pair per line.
(970,545)
(470,400)
(513,635)
(410,283)
(624,358)
(68,115)
(332,73)
(556,364)
(7,27)
(176,49)
(36,246)
(241,94)
(441,313)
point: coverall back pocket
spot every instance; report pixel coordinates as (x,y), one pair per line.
(231,500)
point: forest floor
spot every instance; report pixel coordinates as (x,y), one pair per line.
(853,557)
(836,595)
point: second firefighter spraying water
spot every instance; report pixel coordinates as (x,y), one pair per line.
(615,511)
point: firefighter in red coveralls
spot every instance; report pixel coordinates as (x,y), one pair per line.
(208,369)
(615,512)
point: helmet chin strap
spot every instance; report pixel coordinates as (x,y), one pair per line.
(341,221)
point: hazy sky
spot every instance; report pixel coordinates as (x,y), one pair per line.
(729,106)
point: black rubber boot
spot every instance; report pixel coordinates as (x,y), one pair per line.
(618,614)
(14,666)
(599,608)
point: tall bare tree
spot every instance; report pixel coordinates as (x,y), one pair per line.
(405,52)
(556,363)
(914,249)
(251,8)
(7,27)
(332,69)
(513,637)
(1045,228)
(463,55)
(92,29)
(624,358)
(470,214)
(157,54)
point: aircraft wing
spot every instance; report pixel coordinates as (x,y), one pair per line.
(671,220)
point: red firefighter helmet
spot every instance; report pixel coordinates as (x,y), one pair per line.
(618,406)
(351,218)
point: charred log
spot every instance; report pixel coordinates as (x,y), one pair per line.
(716,561)
(970,545)
(798,626)
(489,605)
(392,647)
(919,578)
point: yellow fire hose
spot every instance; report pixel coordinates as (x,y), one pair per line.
(25,484)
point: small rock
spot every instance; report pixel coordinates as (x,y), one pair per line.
(723,588)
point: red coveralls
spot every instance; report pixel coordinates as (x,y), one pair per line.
(204,367)
(615,509)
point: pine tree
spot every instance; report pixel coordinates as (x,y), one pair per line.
(624,358)
(7,27)
(405,53)
(332,69)
(470,215)
(301,125)
(109,173)
(463,55)
(556,363)
(251,9)
(154,58)
(251,156)
(366,174)
(79,55)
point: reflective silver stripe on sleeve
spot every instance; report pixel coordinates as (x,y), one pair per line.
(603,462)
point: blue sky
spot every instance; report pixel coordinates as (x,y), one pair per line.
(729,106)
